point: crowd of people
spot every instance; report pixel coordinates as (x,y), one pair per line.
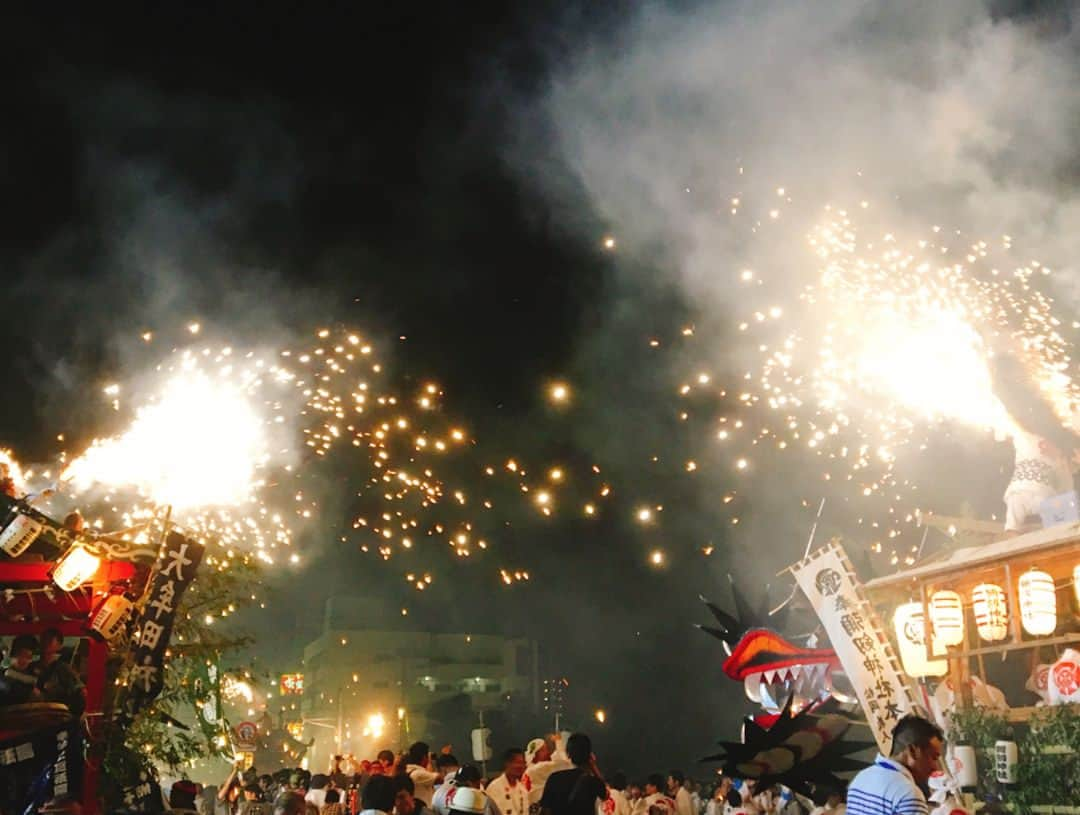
(543,778)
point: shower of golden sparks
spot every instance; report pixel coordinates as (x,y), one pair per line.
(889,340)
(226,439)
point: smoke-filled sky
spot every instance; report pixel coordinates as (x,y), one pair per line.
(451,176)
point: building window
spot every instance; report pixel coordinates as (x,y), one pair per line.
(479,684)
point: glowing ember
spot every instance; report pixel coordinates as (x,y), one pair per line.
(559,392)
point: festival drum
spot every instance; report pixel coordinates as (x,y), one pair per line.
(20,720)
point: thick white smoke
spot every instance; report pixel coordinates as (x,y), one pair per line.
(955,114)
(936,112)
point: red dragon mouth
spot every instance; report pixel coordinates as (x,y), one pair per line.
(763,651)
(773,670)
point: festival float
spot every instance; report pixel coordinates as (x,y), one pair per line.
(987,636)
(118,599)
(797,739)
(981,639)
(893,348)
(172,498)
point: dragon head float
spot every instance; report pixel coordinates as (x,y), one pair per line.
(774,671)
(797,737)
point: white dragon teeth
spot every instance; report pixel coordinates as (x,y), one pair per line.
(804,677)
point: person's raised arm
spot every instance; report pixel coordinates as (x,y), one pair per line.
(559,753)
(223,790)
(594,769)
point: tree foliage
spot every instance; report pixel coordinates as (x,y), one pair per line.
(187,721)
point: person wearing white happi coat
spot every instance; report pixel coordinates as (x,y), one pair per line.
(509,792)
(543,756)
(1041,471)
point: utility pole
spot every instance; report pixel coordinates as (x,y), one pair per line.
(340,718)
(483,761)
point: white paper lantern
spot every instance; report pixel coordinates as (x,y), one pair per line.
(1038,603)
(1006,758)
(19,534)
(111,616)
(964,766)
(77,566)
(911,636)
(991,612)
(947,615)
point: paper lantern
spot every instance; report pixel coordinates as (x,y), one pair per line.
(1076,581)
(77,566)
(947,615)
(911,637)
(19,534)
(1006,757)
(1038,603)
(111,617)
(991,612)
(964,766)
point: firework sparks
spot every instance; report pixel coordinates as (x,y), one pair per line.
(888,341)
(226,439)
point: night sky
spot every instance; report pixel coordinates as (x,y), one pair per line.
(448,174)
(268,169)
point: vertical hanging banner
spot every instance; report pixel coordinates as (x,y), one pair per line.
(175,570)
(36,765)
(829,583)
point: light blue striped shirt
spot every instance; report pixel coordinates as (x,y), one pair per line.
(885,788)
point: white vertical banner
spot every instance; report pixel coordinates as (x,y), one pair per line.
(829,583)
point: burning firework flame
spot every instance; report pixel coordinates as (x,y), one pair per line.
(905,336)
(884,344)
(226,439)
(200,443)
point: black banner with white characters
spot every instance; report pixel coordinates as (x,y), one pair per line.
(173,573)
(45,763)
(145,796)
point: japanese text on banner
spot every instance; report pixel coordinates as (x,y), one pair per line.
(175,571)
(856,634)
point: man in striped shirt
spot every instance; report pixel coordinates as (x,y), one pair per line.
(893,786)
